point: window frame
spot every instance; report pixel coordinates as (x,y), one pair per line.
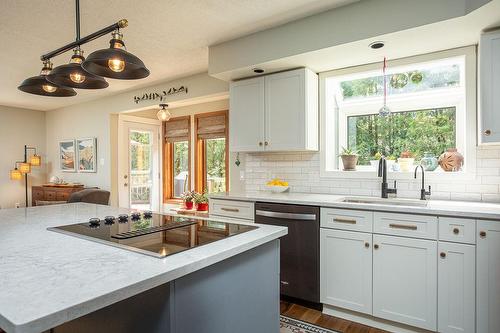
(168,162)
(329,117)
(200,165)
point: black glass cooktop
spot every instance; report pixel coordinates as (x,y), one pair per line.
(153,234)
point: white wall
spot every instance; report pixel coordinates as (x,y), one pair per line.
(235,183)
(19,127)
(97,119)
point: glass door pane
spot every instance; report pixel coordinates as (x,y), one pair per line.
(216,165)
(180,167)
(141,169)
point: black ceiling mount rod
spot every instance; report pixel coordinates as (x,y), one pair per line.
(77,20)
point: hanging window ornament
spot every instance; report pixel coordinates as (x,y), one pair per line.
(384,110)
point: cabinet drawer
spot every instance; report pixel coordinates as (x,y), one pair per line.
(457,230)
(417,226)
(37,195)
(50,195)
(231,208)
(62,196)
(345,219)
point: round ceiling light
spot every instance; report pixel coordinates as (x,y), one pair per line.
(74,76)
(163,113)
(115,62)
(39,85)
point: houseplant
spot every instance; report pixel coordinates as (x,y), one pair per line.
(188,198)
(375,159)
(201,201)
(349,159)
(406,161)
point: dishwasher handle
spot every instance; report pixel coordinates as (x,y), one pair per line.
(288,216)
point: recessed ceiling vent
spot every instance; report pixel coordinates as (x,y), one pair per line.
(377,45)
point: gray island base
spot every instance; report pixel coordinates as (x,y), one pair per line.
(221,298)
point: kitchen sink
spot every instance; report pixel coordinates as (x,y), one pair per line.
(386,202)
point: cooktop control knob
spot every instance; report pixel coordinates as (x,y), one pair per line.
(147,214)
(94,222)
(109,220)
(135,216)
(123,218)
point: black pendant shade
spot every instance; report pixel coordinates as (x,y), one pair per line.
(39,85)
(65,75)
(115,63)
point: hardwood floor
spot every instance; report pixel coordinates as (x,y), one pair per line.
(317,318)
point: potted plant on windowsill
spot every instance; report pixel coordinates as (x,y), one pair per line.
(349,159)
(201,201)
(188,198)
(374,161)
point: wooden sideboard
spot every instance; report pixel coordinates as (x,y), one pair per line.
(53,193)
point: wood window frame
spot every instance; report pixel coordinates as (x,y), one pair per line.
(168,167)
(200,174)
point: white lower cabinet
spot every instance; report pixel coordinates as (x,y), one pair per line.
(405,280)
(346,269)
(456,287)
(488,276)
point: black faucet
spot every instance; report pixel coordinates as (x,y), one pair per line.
(423,192)
(382,172)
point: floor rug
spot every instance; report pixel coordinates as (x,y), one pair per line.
(289,325)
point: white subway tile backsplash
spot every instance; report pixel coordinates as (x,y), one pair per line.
(302,171)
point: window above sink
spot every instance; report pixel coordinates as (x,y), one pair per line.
(433,102)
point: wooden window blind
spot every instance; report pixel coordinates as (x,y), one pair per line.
(177,129)
(211,126)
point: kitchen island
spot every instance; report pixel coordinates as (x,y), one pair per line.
(51,281)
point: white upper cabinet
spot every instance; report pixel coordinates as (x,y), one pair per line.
(277,112)
(488,276)
(246,115)
(489,89)
(405,280)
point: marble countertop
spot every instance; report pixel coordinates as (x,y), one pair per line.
(47,278)
(477,210)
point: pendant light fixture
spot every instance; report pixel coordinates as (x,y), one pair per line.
(74,76)
(163,113)
(39,85)
(384,111)
(115,62)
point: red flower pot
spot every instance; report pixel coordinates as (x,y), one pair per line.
(188,204)
(202,207)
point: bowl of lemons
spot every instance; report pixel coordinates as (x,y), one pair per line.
(277,185)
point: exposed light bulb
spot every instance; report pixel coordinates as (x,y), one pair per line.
(116,65)
(163,115)
(77,77)
(49,88)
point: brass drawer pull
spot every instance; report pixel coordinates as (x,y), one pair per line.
(487,132)
(344,221)
(482,234)
(443,255)
(234,210)
(367,245)
(403,226)
(456,231)
(376,246)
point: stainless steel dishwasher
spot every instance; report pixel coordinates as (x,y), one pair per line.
(299,249)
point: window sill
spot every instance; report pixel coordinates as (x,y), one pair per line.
(400,175)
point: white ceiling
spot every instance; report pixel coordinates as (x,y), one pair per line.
(170,36)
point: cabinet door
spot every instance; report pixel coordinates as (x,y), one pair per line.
(456,287)
(346,269)
(246,115)
(490,87)
(488,276)
(290,124)
(405,280)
